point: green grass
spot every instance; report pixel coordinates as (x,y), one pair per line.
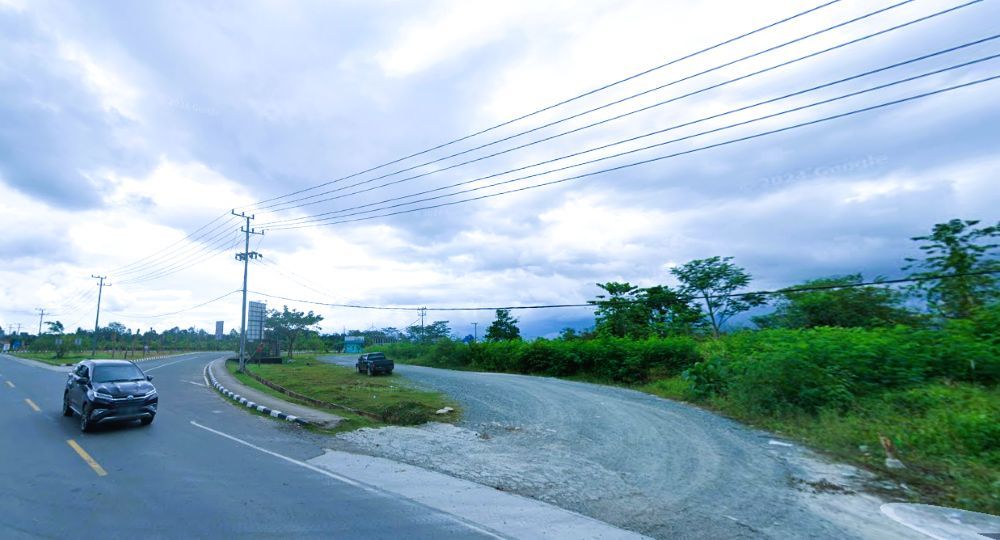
(391,398)
(947,435)
(69,358)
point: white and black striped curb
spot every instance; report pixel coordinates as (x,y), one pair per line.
(210,378)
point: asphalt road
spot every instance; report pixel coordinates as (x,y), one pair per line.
(174,479)
(646,464)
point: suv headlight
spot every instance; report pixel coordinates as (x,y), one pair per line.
(102,395)
(151,393)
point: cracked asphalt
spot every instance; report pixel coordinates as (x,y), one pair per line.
(654,466)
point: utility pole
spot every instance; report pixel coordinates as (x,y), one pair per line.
(245,257)
(475,332)
(41,314)
(100,290)
(423,336)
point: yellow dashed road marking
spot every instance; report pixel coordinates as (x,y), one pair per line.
(10,384)
(32,404)
(86,457)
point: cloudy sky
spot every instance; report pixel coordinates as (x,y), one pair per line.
(128,131)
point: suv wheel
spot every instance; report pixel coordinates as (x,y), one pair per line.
(85,425)
(67,411)
(371,372)
(146,421)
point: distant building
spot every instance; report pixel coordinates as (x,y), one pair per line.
(354,344)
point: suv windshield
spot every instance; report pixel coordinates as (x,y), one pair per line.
(376,356)
(117,373)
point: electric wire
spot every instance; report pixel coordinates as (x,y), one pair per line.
(563,102)
(211,250)
(592,303)
(151,255)
(337,219)
(645,92)
(645,135)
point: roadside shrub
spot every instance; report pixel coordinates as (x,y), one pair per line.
(708,377)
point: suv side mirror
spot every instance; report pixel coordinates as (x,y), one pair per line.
(149,377)
(84,381)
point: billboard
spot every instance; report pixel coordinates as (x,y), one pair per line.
(255,321)
(218,330)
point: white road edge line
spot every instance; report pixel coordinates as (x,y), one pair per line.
(335,476)
(195,383)
(165,365)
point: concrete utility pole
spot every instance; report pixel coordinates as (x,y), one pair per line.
(423,311)
(475,331)
(97,320)
(245,257)
(41,314)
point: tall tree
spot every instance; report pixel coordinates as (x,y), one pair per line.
(504,328)
(716,281)
(959,249)
(864,307)
(289,324)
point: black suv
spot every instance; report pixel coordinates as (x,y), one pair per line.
(373,363)
(107,391)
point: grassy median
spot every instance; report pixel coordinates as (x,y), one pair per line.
(392,399)
(50,358)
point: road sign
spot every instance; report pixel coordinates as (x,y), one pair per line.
(218,330)
(255,321)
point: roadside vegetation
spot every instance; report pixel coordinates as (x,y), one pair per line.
(862,372)
(389,399)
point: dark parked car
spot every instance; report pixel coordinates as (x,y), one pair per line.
(375,362)
(109,391)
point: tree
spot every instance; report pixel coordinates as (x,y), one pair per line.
(55,327)
(504,328)
(631,311)
(671,311)
(957,248)
(620,312)
(287,325)
(715,281)
(864,307)
(436,331)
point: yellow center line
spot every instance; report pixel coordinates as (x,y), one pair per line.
(10,384)
(32,404)
(86,457)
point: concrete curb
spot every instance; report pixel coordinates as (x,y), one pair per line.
(210,379)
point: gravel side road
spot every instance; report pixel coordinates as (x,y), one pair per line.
(643,463)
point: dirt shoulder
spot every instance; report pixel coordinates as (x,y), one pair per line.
(643,463)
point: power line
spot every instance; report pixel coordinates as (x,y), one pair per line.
(787,290)
(563,102)
(151,255)
(213,249)
(330,221)
(307,219)
(216,299)
(188,250)
(612,103)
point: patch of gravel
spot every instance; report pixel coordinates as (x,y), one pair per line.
(642,463)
